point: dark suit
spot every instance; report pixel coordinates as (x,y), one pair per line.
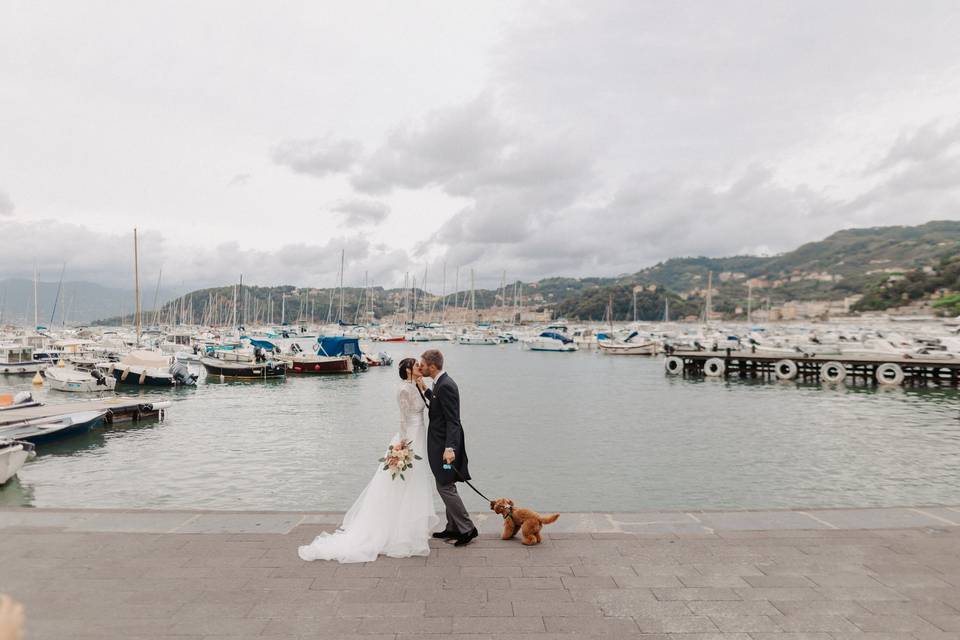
(445,432)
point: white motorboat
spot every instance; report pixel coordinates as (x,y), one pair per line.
(70,379)
(550,341)
(477,339)
(19,359)
(13,454)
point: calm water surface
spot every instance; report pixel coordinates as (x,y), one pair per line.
(574,432)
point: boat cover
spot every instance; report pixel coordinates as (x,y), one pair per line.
(339,346)
(147,359)
(556,336)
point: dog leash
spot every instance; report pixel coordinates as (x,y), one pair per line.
(455,470)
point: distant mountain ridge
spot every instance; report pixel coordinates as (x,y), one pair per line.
(80,302)
(846,263)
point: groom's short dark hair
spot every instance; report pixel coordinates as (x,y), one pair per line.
(434,357)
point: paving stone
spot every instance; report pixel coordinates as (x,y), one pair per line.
(778,581)
(590,626)
(704,593)
(475,624)
(381,610)
(482,609)
(727,608)
(534,572)
(648,581)
(537,583)
(714,581)
(746,624)
(892,623)
(676,624)
(555,609)
(812,622)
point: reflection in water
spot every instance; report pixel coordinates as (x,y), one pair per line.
(578,431)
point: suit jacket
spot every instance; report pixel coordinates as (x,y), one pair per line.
(445,431)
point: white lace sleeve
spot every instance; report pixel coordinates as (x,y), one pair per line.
(407,397)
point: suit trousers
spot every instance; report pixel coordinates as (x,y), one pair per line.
(457,517)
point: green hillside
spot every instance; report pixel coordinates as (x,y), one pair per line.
(847,263)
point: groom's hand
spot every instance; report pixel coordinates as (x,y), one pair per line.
(449,456)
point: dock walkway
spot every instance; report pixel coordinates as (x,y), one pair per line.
(843,574)
(874,369)
(117,407)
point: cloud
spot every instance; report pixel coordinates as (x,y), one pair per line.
(318,157)
(360,212)
(448,145)
(108,258)
(239,180)
(6,205)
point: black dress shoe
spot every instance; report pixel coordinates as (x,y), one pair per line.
(466,538)
(446,535)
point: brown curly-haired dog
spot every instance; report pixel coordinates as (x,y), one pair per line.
(527,522)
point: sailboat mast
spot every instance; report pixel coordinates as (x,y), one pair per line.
(473,297)
(136,281)
(749,302)
(709,307)
(36,322)
(634,303)
(56,300)
(340,313)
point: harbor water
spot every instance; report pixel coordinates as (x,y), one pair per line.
(557,431)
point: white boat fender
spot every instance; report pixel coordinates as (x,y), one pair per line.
(833,371)
(714,367)
(163,404)
(785,369)
(673,365)
(889,373)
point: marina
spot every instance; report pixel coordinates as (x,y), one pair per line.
(690,441)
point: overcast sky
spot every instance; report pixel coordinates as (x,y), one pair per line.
(590,138)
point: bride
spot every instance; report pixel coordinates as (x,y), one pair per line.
(392,517)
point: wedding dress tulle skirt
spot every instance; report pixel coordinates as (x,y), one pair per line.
(392,517)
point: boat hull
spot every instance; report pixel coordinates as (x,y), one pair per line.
(244,371)
(12,457)
(625,349)
(320,365)
(23,368)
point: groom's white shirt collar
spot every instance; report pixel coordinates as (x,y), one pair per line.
(437,379)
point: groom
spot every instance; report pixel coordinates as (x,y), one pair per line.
(446,449)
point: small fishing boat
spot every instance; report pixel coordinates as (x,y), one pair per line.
(148,368)
(50,428)
(243,364)
(630,346)
(13,454)
(316,356)
(550,341)
(381,359)
(71,379)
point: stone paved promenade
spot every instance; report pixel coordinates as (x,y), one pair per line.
(872,574)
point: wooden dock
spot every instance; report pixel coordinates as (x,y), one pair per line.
(119,409)
(891,370)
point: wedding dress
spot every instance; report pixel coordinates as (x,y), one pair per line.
(392,517)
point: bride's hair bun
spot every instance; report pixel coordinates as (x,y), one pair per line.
(405,365)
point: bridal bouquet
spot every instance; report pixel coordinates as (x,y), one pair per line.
(398,458)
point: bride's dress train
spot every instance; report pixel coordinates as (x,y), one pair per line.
(392,517)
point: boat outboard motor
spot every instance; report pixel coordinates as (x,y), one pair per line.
(181,374)
(258,354)
(99,377)
(359,364)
